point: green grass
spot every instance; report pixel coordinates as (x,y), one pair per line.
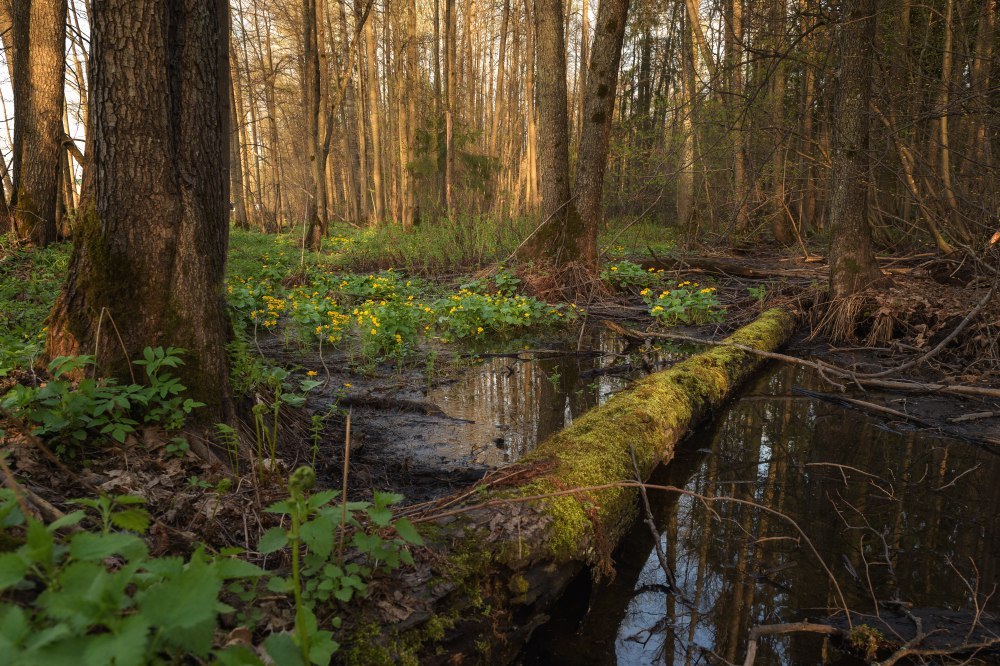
(29,283)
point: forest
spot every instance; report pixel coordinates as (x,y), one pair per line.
(499,332)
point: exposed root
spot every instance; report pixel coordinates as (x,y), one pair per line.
(571,282)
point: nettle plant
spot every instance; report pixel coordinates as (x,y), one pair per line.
(71,412)
(63,602)
(686,303)
(72,594)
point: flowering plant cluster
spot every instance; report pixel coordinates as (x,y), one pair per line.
(626,275)
(686,303)
(387,312)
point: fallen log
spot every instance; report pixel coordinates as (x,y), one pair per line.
(501,555)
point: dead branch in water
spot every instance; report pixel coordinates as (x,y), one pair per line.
(820,367)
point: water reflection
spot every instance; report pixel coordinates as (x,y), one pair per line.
(887,509)
(504,406)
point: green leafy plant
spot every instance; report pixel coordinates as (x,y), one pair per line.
(61,602)
(71,412)
(686,303)
(470,314)
(625,275)
(318,572)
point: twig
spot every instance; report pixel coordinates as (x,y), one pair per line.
(819,366)
(651,523)
(789,628)
(343,488)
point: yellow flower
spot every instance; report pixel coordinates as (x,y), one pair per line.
(374,332)
(311,373)
(644,291)
(479,330)
(614,268)
(346,385)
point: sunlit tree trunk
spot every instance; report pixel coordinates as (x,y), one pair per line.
(595,132)
(450,45)
(374,122)
(39,74)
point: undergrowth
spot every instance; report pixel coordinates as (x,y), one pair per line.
(84,589)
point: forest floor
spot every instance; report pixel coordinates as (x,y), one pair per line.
(447,368)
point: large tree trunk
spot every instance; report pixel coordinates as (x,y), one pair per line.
(852,261)
(39,73)
(595,131)
(149,254)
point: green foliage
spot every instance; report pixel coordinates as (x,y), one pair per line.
(759,292)
(319,574)
(686,303)
(70,595)
(29,283)
(469,314)
(71,412)
(62,603)
(267,416)
(628,275)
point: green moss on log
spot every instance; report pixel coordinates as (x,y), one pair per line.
(650,419)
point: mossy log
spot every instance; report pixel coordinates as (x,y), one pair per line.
(498,566)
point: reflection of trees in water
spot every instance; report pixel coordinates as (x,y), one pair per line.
(888,526)
(530,399)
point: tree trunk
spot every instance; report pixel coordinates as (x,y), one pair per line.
(595,132)
(450,45)
(149,256)
(39,74)
(852,261)
(236,161)
(554,243)
(313,232)
(374,120)
(412,81)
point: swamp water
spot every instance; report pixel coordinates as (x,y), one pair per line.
(499,408)
(896,514)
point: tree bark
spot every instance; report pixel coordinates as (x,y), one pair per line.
(374,120)
(554,243)
(149,255)
(852,261)
(450,45)
(39,75)
(313,233)
(236,161)
(595,131)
